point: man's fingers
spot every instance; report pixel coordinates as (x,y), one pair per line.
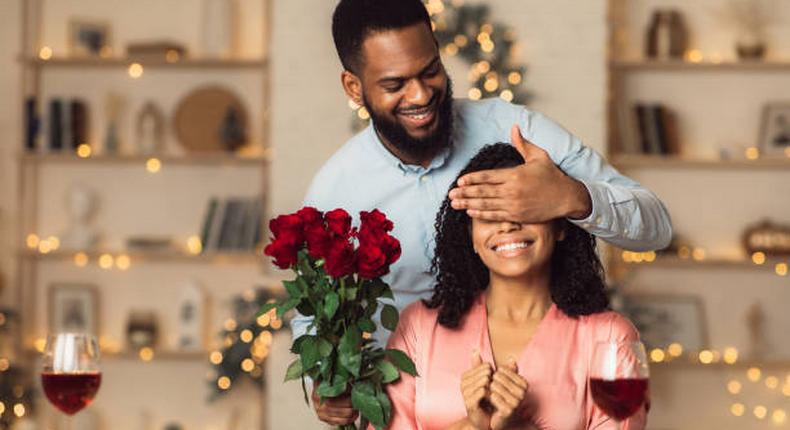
(489,215)
(494,204)
(497,176)
(475,191)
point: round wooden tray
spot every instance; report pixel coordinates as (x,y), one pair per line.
(199,117)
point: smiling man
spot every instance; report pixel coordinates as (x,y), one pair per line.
(420,138)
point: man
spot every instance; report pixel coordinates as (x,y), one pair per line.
(419,140)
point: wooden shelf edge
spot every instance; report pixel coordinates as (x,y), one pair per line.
(150,256)
(709,263)
(188,159)
(214,63)
(671,162)
(720,366)
(681,65)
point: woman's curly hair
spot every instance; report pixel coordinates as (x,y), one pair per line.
(577,285)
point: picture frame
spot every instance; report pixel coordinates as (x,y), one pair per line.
(775,129)
(73,308)
(89,38)
(666,319)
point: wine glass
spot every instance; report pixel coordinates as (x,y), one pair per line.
(619,378)
(70,372)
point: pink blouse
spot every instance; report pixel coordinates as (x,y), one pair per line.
(555,363)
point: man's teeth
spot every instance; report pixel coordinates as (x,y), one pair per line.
(418,115)
(511,246)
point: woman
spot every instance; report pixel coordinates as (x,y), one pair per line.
(506,340)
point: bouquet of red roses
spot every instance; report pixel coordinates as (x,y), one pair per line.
(338,282)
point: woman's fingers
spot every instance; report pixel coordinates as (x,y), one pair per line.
(506,374)
(513,383)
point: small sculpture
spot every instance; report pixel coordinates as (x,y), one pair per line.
(81,205)
(150,129)
(191,317)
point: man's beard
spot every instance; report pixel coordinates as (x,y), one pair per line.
(422,148)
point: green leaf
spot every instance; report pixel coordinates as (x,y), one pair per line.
(351,293)
(363,398)
(294,370)
(366,324)
(388,370)
(309,354)
(402,361)
(389,317)
(387,292)
(304,266)
(331,303)
(324,347)
(265,308)
(296,347)
(349,352)
(293,289)
(336,388)
(386,405)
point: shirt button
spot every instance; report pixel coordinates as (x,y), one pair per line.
(625,231)
(423,179)
(598,220)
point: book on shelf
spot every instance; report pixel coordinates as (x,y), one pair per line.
(649,129)
(232,224)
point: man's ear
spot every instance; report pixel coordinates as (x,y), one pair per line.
(352,85)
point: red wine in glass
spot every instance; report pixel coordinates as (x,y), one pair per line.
(619,398)
(619,379)
(70,372)
(70,392)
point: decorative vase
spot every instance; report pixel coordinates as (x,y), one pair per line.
(220,24)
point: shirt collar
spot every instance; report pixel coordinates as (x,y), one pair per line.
(438,161)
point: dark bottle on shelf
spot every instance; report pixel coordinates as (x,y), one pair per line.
(55,125)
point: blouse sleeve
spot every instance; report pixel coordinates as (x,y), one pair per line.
(619,329)
(402,392)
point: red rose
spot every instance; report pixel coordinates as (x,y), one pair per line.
(317,240)
(391,248)
(284,251)
(310,216)
(291,223)
(371,262)
(375,220)
(339,222)
(340,259)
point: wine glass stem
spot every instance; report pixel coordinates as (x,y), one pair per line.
(69,422)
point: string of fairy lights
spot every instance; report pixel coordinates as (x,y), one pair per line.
(489,48)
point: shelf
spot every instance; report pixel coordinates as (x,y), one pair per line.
(737,366)
(158,356)
(187,63)
(670,162)
(208,159)
(151,256)
(707,263)
(679,65)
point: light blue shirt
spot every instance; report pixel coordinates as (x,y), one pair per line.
(363,175)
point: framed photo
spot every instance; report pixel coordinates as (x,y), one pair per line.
(89,38)
(666,319)
(775,130)
(73,308)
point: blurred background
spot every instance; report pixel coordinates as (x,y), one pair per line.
(146,143)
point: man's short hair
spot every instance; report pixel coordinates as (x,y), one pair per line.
(354,20)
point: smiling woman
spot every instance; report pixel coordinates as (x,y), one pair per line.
(516,312)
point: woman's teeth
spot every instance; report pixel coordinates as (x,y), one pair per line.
(511,246)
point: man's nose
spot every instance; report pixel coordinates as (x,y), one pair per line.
(417,93)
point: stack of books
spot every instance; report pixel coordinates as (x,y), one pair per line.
(650,129)
(232,224)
